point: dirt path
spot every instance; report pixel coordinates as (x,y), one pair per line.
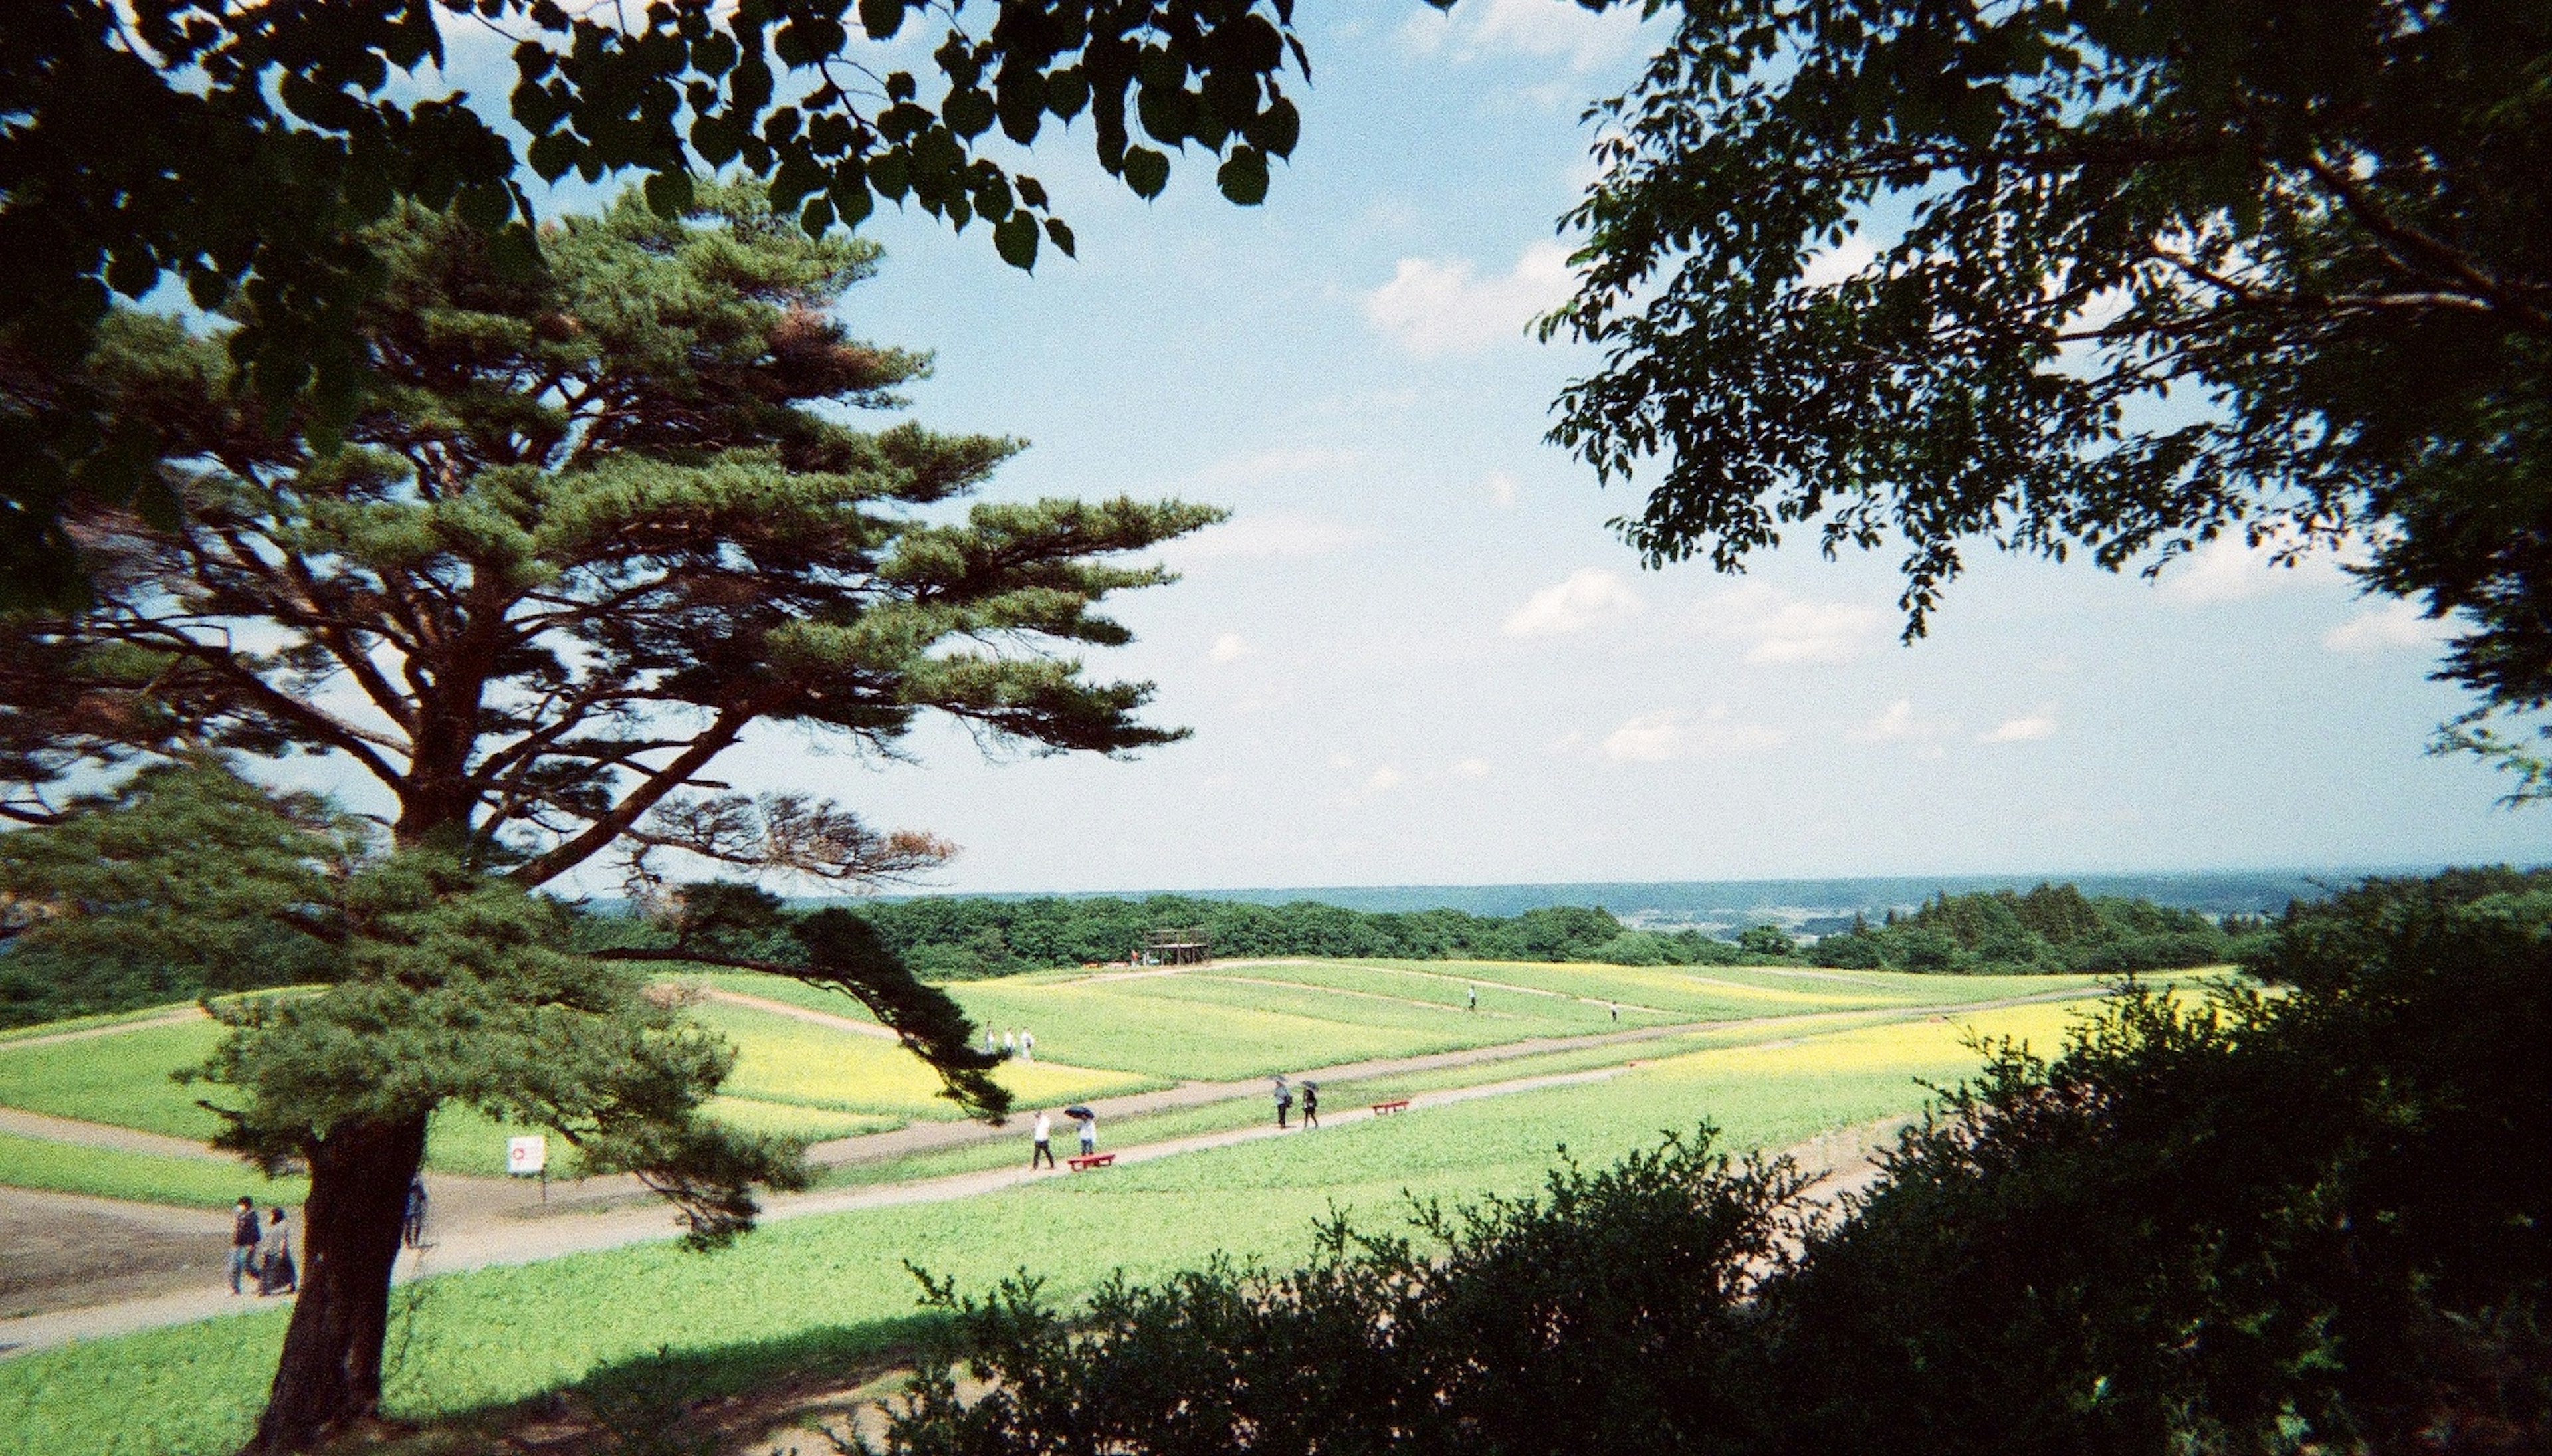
(1218,970)
(1370,996)
(851,1024)
(99,1135)
(923,1137)
(68,1249)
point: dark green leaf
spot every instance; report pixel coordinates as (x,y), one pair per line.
(881,18)
(1146,171)
(1243,178)
(1015,239)
(669,193)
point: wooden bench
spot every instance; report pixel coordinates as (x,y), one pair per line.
(1090,1160)
(1382,1109)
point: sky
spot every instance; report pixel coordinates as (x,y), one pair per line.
(1417,655)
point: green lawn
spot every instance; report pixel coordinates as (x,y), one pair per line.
(145,1178)
(792,1077)
(830,1287)
(122,1080)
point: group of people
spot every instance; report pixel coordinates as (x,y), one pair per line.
(262,1251)
(1284,1101)
(1021,1043)
(1042,1149)
(262,1247)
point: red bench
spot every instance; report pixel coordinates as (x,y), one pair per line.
(1385,1109)
(1090,1160)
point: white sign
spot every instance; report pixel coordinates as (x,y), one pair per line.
(526,1154)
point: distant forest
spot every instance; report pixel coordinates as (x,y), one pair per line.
(2054,927)
(2050,928)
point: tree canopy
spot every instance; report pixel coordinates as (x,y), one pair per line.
(244,148)
(596,522)
(2114,276)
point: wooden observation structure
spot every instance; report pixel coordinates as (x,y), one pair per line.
(1183,945)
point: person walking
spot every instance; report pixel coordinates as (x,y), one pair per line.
(1044,1142)
(1311,1104)
(412,1225)
(1028,1045)
(1616,1008)
(1475,996)
(245,1236)
(278,1277)
(1009,1043)
(1284,1099)
(1089,1134)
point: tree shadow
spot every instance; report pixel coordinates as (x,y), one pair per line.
(710,1400)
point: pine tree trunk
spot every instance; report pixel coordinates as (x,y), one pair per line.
(331,1370)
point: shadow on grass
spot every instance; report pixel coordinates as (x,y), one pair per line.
(706,1402)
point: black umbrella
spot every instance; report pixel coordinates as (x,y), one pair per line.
(1078,1111)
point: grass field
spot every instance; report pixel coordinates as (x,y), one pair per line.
(146,1178)
(792,1077)
(831,1289)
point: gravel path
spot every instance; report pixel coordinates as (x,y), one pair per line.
(99,1135)
(851,1024)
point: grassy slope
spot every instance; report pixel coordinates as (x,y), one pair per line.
(110,1173)
(792,1077)
(807,1080)
(832,1286)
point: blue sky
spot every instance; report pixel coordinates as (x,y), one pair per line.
(1416,654)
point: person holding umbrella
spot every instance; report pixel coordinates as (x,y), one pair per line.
(1088,1121)
(1311,1104)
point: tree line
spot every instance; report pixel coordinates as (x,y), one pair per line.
(2050,928)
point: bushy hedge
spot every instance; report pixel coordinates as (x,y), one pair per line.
(2294,1223)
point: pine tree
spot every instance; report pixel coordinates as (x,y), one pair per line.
(598,521)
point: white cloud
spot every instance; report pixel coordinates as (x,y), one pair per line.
(1228,648)
(1271,534)
(2230,569)
(2385,627)
(1435,306)
(1384,779)
(1536,27)
(2028,728)
(1502,491)
(1654,738)
(1472,768)
(1836,264)
(1778,627)
(1897,723)
(1590,597)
